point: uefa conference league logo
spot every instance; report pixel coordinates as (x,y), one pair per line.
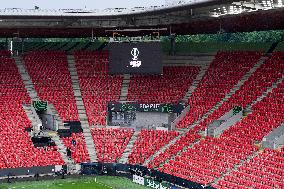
(135,63)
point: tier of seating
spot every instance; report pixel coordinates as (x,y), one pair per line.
(186,140)
(147,143)
(261,79)
(266,171)
(167,88)
(266,115)
(222,75)
(97,87)
(17,149)
(52,81)
(204,159)
(5,53)
(212,157)
(77,145)
(208,159)
(111,143)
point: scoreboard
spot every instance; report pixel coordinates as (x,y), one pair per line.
(135,58)
(145,107)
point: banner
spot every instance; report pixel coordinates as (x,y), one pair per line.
(237,109)
(165,186)
(138,180)
(151,183)
(155,184)
(40,105)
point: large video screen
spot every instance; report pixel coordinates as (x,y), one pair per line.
(135,58)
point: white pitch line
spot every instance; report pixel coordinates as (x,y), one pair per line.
(104,185)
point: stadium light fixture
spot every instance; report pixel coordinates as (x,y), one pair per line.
(225,10)
(269,4)
(11,46)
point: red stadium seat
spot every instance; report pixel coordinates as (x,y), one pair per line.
(50,75)
(147,143)
(167,88)
(212,157)
(110,143)
(224,72)
(97,87)
(78,151)
(17,149)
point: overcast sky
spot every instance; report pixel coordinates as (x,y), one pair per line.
(79,4)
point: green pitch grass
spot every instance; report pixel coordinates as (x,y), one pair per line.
(101,182)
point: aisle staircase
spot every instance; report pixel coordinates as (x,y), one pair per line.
(128,149)
(184,149)
(124,87)
(272,47)
(26,78)
(81,109)
(54,112)
(191,89)
(61,147)
(235,168)
(203,68)
(269,89)
(32,116)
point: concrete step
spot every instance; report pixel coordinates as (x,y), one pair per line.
(55,113)
(81,109)
(26,78)
(61,149)
(32,116)
(236,166)
(128,149)
(268,90)
(124,87)
(196,81)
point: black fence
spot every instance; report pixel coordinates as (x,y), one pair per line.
(27,171)
(70,127)
(41,141)
(111,169)
(127,170)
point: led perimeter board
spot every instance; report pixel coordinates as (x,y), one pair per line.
(145,107)
(135,58)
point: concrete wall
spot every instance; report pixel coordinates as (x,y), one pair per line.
(274,139)
(150,119)
(28,170)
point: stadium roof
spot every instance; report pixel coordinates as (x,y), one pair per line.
(205,16)
(96,12)
(84,4)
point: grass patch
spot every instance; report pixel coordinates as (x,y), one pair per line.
(101,182)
